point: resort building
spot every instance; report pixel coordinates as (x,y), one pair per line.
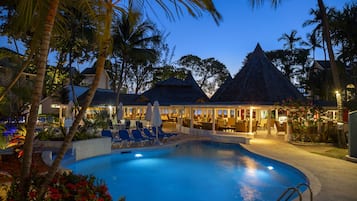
(255,99)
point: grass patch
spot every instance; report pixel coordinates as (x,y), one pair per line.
(333,152)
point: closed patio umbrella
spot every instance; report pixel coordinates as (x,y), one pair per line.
(120,112)
(148,114)
(156,119)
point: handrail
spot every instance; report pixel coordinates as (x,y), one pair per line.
(296,189)
(293,191)
(308,187)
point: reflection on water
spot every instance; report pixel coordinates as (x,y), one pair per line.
(194,171)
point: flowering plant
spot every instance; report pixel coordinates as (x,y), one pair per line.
(65,187)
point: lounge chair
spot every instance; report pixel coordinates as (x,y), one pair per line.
(148,134)
(165,133)
(139,125)
(162,133)
(124,136)
(153,135)
(139,138)
(108,133)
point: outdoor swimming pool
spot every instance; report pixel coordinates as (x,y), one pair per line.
(192,171)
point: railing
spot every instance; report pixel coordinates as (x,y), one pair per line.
(293,190)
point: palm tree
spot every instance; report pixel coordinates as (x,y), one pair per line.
(30,11)
(334,68)
(134,43)
(46,12)
(313,42)
(318,30)
(104,12)
(290,40)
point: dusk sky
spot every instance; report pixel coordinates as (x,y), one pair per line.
(240,30)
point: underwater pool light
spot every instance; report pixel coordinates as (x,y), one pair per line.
(138,155)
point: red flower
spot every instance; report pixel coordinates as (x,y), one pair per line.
(32,194)
(71,186)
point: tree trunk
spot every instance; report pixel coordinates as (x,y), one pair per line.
(24,66)
(36,96)
(120,84)
(334,69)
(103,53)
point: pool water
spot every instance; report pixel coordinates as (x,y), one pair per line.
(192,171)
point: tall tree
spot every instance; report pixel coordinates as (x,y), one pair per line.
(334,68)
(30,11)
(167,71)
(344,33)
(38,18)
(317,31)
(209,73)
(312,43)
(135,46)
(290,40)
(104,11)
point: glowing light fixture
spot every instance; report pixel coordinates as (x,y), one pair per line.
(138,155)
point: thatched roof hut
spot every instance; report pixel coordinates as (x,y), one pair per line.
(175,91)
(258,82)
(104,97)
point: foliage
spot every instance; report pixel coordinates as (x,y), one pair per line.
(64,187)
(291,62)
(306,122)
(209,73)
(137,42)
(17,141)
(2,137)
(344,33)
(319,84)
(167,71)
(87,131)
(352,104)
(290,40)
(16,101)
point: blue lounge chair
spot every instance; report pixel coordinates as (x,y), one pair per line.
(124,136)
(139,138)
(148,134)
(161,133)
(164,133)
(108,133)
(139,125)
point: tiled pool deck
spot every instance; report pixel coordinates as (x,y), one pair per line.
(331,179)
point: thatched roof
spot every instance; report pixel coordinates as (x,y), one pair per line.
(175,91)
(258,82)
(108,97)
(89,71)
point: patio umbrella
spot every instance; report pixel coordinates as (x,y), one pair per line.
(148,113)
(120,112)
(70,110)
(156,119)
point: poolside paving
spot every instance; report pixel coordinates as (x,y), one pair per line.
(331,179)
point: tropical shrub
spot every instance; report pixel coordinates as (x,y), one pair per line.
(64,187)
